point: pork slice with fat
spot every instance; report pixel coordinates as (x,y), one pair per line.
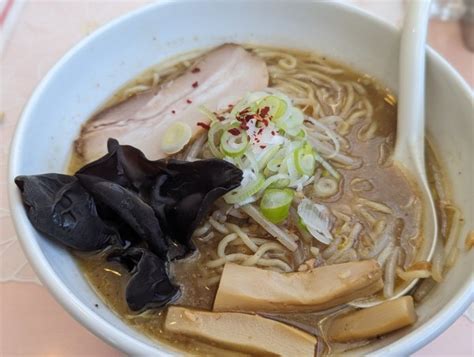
(226,73)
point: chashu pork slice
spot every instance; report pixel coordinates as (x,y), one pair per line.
(224,75)
(241,332)
(244,288)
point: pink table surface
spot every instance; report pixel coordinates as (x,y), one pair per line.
(32,322)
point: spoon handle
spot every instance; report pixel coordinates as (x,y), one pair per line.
(411,107)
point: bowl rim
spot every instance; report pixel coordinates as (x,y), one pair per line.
(111,334)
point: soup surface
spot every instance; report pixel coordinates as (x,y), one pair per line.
(374,210)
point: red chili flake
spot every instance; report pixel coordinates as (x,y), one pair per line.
(173,111)
(260,131)
(265,122)
(244,127)
(220,117)
(263,146)
(203,125)
(189,101)
(264,111)
(195,84)
(249,117)
(273,133)
(196,70)
(234,131)
(230,106)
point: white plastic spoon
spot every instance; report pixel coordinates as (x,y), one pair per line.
(409,152)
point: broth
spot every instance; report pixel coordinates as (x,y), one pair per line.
(199,283)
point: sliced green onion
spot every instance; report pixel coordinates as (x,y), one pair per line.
(176,136)
(305,164)
(316,218)
(296,118)
(212,117)
(247,103)
(269,153)
(252,161)
(275,204)
(254,97)
(326,187)
(300,225)
(234,145)
(302,134)
(289,166)
(267,172)
(277,107)
(244,192)
(214,130)
(275,164)
(238,161)
(305,161)
(280,183)
(238,108)
(295,132)
(276,181)
(271,166)
(293,123)
(327,166)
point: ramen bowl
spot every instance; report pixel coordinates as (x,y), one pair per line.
(102,63)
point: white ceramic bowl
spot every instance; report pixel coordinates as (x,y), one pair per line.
(88,74)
